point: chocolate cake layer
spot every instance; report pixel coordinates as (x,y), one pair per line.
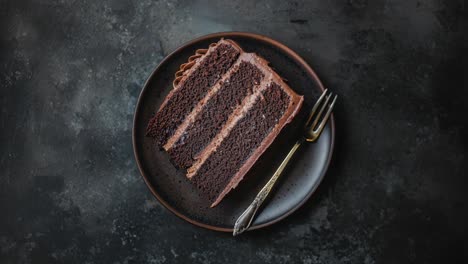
(219,169)
(215,113)
(208,71)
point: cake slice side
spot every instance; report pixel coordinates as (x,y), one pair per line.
(216,111)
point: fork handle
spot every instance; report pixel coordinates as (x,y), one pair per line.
(245,219)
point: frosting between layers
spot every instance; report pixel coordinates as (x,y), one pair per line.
(181,130)
(237,114)
(294,106)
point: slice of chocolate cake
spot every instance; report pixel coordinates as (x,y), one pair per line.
(226,108)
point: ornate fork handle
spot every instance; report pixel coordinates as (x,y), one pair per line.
(245,219)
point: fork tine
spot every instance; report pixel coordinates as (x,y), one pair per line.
(317,104)
(327,115)
(318,117)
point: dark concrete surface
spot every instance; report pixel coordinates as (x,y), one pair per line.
(70,75)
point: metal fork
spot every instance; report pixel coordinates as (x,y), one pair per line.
(311,134)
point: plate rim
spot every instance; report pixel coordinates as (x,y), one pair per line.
(254,36)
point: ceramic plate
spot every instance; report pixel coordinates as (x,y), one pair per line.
(298,182)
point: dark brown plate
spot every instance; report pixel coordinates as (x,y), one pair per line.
(298,183)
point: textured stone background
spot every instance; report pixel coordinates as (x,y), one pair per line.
(70,75)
